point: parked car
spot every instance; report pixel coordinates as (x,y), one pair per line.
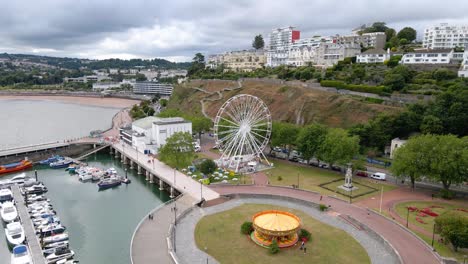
(379,176)
(336,168)
(324,165)
(362,174)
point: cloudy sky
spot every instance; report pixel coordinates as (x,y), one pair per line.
(177,29)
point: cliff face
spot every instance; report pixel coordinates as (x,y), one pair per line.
(292,103)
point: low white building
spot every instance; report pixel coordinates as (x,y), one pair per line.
(373,56)
(152,88)
(150,133)
(428,56)
(396,143)
(463,72)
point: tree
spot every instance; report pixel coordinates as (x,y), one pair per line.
(390,33)
(163,102)
(410,160)
(310,139)
(395,82)
(178,151)
(338,147)
(431,125)
(407,33)
(453,227)
(208,166)
(443,158)
(200,124)
(258,42)
(444,74)
(376,27)
(198,64)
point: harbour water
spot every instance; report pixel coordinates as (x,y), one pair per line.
(100,224)
(26,122)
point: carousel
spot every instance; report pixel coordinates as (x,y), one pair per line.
(275,225)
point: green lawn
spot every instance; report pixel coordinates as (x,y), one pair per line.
(311,177)
(444,250)
(219,235)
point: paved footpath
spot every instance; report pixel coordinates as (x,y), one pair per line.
(188,252)
(149,242)
(411,249)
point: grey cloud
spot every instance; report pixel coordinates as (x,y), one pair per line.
(77,27)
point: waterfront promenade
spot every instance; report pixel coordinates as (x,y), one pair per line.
(33,242)
(149,242)
(183,183)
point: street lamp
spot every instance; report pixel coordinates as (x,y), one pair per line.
(201,191)
(407,216)
(297,181)
(433,234)
(351,196)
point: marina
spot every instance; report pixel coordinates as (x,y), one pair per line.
(33,242)
(92,216)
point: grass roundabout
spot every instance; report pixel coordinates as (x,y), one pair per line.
(219,235)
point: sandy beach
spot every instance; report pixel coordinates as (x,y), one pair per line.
(94,101)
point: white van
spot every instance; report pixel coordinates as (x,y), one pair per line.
(378,176)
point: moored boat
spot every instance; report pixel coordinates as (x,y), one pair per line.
(14,233)
(5,195)
(60,254)
(50,160)
(17,166)
(61,163)
(8,212)
(56,238)
(109,183)
(21,255)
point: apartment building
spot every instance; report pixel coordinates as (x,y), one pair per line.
(375,39)
(428,56)
(303,51)
(87,78)
(373,56)
(152,88)
(245,60)
(443,36)
(328,54)
(280,41)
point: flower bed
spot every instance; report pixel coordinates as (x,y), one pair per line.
(420,220)
(428,211)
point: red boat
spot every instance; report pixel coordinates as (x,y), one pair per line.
(17,166)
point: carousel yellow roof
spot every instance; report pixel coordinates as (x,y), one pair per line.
(276,221)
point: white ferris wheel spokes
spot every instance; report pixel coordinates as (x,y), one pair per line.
(242,129)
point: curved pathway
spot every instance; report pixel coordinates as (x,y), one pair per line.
(410,248)
(188,252)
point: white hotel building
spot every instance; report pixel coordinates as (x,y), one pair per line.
(152,88)
(428,56)
(150,133)
(445,36)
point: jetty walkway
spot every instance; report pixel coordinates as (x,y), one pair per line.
(30,233)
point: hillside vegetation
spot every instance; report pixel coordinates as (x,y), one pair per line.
(293,104)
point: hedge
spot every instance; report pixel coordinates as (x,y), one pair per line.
(380,90)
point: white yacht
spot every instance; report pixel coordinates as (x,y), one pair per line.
(8,212)
(14,233)
(6,195)
(60,255)
(21,255)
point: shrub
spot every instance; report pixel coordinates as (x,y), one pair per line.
(304,234)
(246,228)
(353,87)
(446,194)
(208,166)
(323,207)
(273,248)
(453,227)
(280,178)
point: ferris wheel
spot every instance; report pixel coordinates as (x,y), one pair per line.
(242,130)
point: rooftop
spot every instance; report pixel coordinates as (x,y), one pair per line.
(374,51)
(431,51)
(146,122)
(169,120)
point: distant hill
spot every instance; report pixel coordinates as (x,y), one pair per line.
(75,63)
